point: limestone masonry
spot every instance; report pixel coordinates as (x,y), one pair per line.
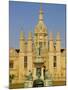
(40,56)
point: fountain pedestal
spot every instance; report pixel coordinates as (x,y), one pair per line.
(48,82)
(28,84)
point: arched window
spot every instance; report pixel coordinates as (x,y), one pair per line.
(11,64)
(25,61)
(54,64)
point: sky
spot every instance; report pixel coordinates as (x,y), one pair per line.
(23,16)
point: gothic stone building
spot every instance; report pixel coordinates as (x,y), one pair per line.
(40,56)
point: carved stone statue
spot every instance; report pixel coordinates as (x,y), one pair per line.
(30,76)
(38,51)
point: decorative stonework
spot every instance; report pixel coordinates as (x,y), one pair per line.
(44,62)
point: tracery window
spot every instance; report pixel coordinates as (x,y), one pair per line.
(54,64)
(25,61)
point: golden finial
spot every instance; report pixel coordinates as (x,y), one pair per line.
(41,13)
(58,36)
(51,36)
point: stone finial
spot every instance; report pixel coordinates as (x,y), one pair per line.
(51,36)
(30,35)
(41,13)
(51,44)
(21,35)
(58,36)
(58,43)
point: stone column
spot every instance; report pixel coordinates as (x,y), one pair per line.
(42,74)
(34,74)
